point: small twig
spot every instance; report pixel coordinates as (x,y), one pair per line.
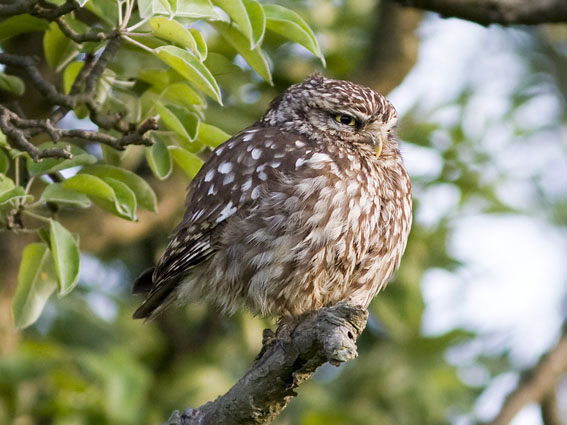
(134,137)
(18,130)
(81,38)
(51,12)
(46,88)
(17,138)
(89,63)
(102,62)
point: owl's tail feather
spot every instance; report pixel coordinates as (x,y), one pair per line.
(144,283)
(159,295)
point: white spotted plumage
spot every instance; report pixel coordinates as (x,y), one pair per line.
(294,213)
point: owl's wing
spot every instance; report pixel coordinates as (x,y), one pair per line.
(229,182)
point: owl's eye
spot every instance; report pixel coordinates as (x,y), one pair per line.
(346,119)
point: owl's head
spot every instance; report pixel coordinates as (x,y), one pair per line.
(327,109)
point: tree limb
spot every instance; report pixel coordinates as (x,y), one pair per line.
(19,131)
(505,12)
(81,38)
(550,413)
(16,8)
(535,384)
(286,360)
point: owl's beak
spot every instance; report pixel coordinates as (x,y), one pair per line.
(377,135)
(377,143)
(378,147)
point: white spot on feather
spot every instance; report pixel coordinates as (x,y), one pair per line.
(226,212)
(209,176)
(247,184)
(225,167)
(255,193)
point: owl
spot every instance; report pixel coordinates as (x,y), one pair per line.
(308,207)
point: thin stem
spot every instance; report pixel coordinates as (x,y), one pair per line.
(17,171)
(28,186)
(35,215)
(128,14)
(137,34)
(137,25)
(120,13)
(140,45)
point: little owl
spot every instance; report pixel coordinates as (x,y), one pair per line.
(307,207)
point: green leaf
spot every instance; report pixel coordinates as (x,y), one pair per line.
(202,49)
(181,121)
(6,184)
(12,84)
(249,16)
(50,165)
(99,191)
(255,57)
(111,156)
(4,162)
(20,24)
(70,75)
(211,136)
(36,282)
(13,194)
(59,194)
(187,161)
(57,48)
(171,30)
(107,10)
(184,95)
(200,9)
(124,196)
(158,157)
(145,196)
(159,78)
(10,192)
(65,251)
(191,69)
(289,24)
(220,65)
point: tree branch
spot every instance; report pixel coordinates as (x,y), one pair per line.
(17,8)
(535,384)
(286,360)
(19,131)
(505,12)
(81,38)
(550,413)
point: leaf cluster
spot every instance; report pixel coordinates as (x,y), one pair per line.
(140,70)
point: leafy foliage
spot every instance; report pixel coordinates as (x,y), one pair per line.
(167,41)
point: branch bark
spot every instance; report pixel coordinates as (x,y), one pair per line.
(505,12)
(535,384)
(286,360)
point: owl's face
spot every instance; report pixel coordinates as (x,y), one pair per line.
(327,109)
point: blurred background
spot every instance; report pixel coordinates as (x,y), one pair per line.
(482,289)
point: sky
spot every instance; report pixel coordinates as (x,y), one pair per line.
(512,289)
